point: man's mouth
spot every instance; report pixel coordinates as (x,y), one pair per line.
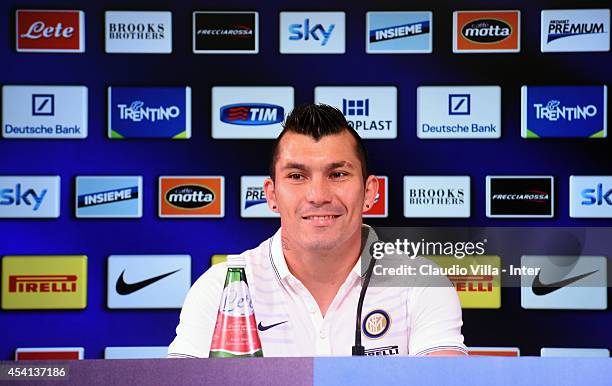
(321,220)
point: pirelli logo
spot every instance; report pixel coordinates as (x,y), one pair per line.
(44,282)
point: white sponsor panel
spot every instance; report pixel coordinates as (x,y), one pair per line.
(370,110)
(148,281)
(575,30)
(457,112)
(29,196)
(591,196)
(436,196)
(575,352)
(138,32)
(312,32)
(142,352)
(44,112)
(564,282)
(253,202)
(250,112)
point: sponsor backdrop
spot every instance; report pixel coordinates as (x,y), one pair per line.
(128,113)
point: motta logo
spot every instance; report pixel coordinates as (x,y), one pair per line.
(486,31)
(197,196)
(50,31)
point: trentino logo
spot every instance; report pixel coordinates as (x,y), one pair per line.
(225,32)
(452,112)
(29,196)
(398,32)
(520,196)
(249,112)
(50,31)
(191,196)
(149,112)
(564,111)
(486,31)
(108,197)
(591,196)
(575,30)
(138,32)
(253,203)
(370,110)
(148,281)
(44,112)
(312,32)
(436,196)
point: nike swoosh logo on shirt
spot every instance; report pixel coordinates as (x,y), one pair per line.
(261,327)
(124,288)
(541,289)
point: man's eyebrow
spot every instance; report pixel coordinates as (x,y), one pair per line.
(294,165)
(340,164)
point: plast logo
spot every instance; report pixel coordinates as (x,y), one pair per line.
(191,196)
(490,31)
(50,31)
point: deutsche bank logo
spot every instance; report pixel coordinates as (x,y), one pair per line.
(312,32)
(253,202)
(459,104)
(398,32)
(370,110)
(575,30)
(108,197)
(43,104)
(591,196)
(29,197)
(149,112)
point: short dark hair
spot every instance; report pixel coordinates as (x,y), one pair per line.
(318,121)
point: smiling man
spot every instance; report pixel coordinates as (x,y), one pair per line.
(306,279)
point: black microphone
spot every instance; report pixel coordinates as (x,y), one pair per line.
(358,349)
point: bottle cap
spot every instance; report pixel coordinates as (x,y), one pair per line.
(236,261)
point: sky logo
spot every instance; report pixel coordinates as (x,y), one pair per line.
(575,30)
(398,32)
(108,197)
(563,112)
(312,32)
(253,203)
(591,196)
(254,114)
(29,197)
(149,112)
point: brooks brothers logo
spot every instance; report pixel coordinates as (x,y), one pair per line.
(138,32)
(225,32)
(50,31)
(261,327)
(376,324)
(520,196)
(252,114)
(436,196)
(574,30)
(486,31)
(124,288)
(191,196)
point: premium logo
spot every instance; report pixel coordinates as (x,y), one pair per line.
(494,351)
(50,31)
(253,202)
(436,196)
(108,196)
(380,207)
(140,352)
(398,32)
(591,196)
(564,282)
(452,112)
(138,32)
(44,282)
(191,196)
(225,32)
(148,281)
(370,110)
(312,32)
(44,112)
(575,30)
(249,112)
(564,111)
(149,112)
(575,352)
(29,197)
(477,281)
(49,353)
(486,31)
(520,196)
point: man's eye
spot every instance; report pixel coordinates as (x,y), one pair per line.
(295,176)
(339,174)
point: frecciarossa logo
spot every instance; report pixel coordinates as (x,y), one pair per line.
(50,31)
(252,114)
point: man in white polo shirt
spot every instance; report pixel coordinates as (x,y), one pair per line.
(306,279)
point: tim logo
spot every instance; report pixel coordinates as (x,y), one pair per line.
(50,31)
(253,114)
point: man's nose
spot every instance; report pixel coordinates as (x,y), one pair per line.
(319,191)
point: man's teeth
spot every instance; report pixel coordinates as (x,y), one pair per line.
(320,217)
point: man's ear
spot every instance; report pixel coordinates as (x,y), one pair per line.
(371,188)
(270,194)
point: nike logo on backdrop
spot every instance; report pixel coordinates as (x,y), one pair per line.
(261,327)
(541,289)
(124,288)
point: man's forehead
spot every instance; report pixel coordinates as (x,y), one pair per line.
(339,147)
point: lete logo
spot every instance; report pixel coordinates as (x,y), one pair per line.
(50,31)
(18,197)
